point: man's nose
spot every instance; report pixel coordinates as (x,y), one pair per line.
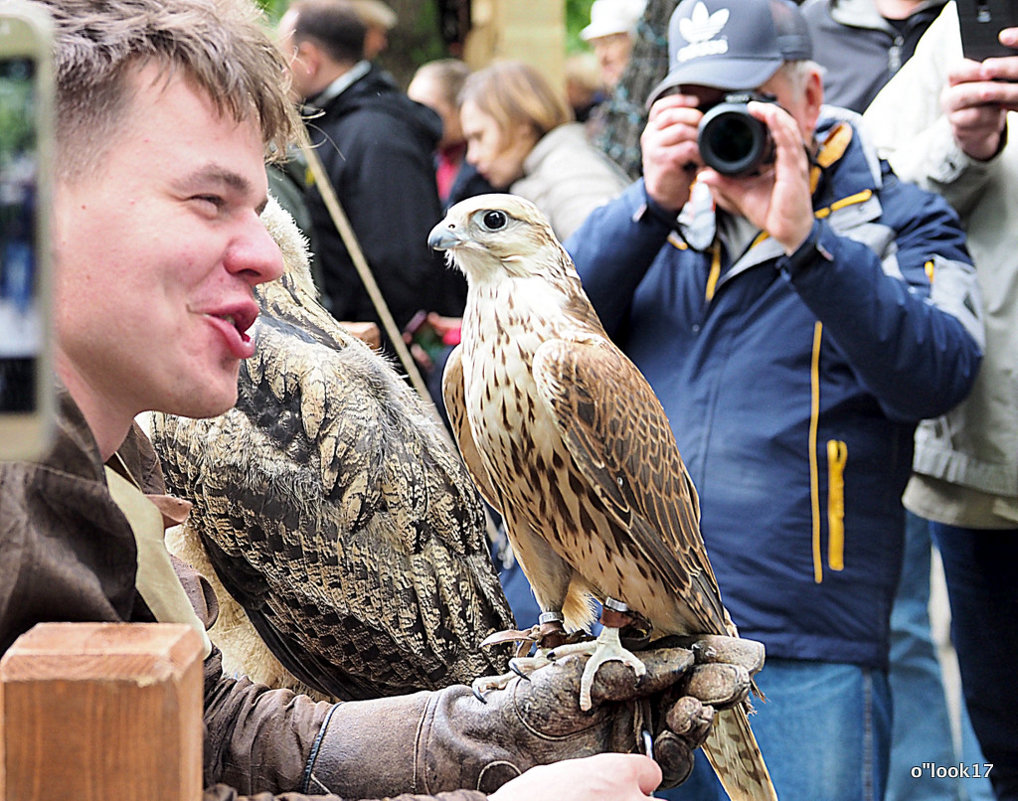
(254,254)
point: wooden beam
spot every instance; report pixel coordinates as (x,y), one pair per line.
(526,30)
(102,711)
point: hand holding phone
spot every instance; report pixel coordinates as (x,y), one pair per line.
(26,122)
(981,22)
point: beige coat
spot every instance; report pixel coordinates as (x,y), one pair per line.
(566,177)
(966,462)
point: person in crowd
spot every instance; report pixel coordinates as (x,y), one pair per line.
(610,35)
(522,138)
(786,317)
(946,123)
(585,89)
(380,19)
(376,146)
(165,111)
(437,85)
(862,44)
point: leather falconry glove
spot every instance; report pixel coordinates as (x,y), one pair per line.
(432,742)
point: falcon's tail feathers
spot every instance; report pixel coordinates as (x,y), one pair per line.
(735,756)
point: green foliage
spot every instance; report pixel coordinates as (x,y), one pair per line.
(273,8)
(577,18)
(16,110)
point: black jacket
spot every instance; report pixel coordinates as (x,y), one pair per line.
(377,145)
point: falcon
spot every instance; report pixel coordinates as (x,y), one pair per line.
(566,439)
(335,511)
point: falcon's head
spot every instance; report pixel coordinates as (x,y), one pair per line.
(491,235)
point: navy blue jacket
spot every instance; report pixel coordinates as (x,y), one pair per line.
(794,392)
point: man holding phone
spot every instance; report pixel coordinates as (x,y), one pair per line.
(948,123)
(165,110)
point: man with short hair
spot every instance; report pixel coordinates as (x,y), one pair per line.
(787,319)
(376,146)
(165,109)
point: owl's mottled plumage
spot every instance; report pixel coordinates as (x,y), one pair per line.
(566,438)
(334,511)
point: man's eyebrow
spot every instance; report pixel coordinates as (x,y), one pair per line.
(217,174)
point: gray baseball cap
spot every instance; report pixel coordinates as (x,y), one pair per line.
(732,44)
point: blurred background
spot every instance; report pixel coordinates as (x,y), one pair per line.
(539,31)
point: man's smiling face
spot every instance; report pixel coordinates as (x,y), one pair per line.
(158,251)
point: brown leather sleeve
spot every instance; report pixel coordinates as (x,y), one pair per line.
(256,739)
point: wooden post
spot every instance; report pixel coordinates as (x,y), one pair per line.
(102,711)
(529,30)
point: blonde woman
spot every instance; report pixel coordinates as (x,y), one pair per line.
(522,138)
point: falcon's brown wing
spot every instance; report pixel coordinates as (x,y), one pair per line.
(455,407)
(618,435)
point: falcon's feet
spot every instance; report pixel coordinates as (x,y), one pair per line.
(606,648)
(548,633)
(520,667)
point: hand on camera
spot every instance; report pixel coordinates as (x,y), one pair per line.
(671,157)
(778,199)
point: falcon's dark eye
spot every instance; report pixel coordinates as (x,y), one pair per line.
(495,220)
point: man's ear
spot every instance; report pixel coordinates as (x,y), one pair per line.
(309,57)
(814,97)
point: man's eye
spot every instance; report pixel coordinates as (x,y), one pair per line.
(214,200)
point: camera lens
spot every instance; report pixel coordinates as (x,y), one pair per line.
(732,141)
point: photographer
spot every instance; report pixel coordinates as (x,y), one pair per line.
(789,320)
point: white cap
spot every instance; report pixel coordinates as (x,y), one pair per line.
(608,17)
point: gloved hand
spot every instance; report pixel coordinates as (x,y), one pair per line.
(446,740)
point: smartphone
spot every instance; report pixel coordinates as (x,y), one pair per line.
(26,136)
(981,21)
(420,332)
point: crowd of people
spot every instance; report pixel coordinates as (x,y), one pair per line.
(830,331)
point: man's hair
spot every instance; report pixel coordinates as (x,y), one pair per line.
(512,92)
(798,73)
(333,25)
(220,46)
(449,75)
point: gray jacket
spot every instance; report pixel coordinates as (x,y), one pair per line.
(966,462)
(859,48)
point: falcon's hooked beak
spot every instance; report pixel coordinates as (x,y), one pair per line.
(444,236)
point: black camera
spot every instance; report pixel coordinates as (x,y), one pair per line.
(731,140)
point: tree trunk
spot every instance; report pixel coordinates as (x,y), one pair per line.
(625,114)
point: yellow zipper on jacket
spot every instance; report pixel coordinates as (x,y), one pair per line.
(814,470)
(837,456)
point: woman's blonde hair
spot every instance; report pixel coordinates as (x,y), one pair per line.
(513,93)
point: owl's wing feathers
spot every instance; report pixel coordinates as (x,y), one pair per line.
(592,390)
(339,519)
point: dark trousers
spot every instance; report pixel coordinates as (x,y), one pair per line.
(981,568)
